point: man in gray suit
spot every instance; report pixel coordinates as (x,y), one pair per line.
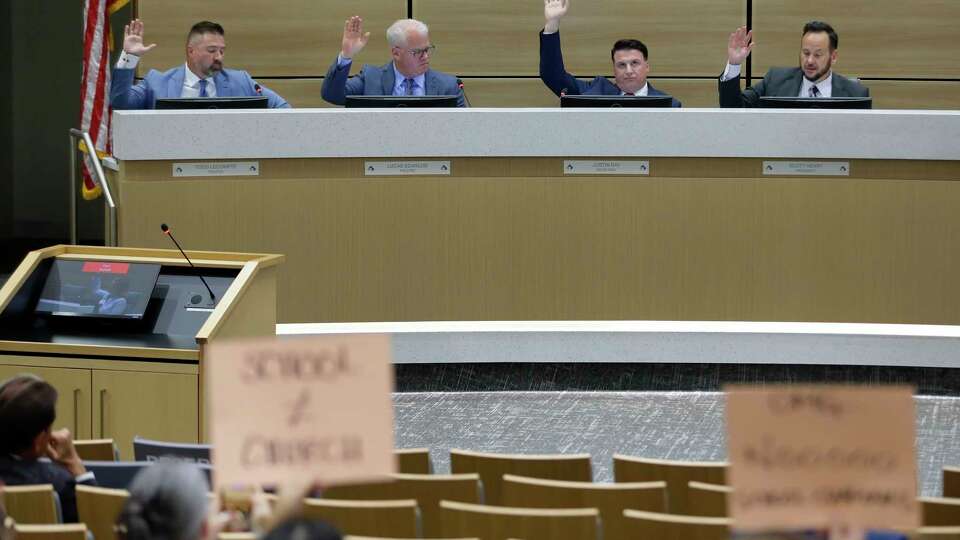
(813,78)
(407,74)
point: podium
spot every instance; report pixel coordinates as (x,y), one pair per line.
(121,378)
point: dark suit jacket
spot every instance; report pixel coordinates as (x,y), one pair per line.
(555,76)
(169,84)
(782,82)
(379,81)
(23,472)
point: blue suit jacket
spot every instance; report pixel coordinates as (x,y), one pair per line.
(169,84)
(379,81)
(555,76)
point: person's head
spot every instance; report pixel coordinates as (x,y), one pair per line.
(302,528)
(630,65)
(410,46)
(168,501)
(818,50)
(120,286)
(205,48)
(27,411)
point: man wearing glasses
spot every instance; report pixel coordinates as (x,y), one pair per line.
(407,74)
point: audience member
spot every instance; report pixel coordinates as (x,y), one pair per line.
(168,501)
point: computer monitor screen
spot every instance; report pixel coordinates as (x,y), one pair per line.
(241,102)
(616,101)
(770,102)
(391,102)
(98,289)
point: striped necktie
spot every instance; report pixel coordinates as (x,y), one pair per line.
(203,88)
(814,91)
(409,83)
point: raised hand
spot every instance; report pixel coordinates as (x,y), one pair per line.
(133,39)
(739,46)
(553,11)
(354,39)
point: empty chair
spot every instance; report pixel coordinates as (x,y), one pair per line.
(492,467)
(675,527)
(149,450)
(936,533)
(61,531)
(399,518)
(99,507)
(951,482)
(32,504)
(427,489)
(413,460)
(610,499)
(501,522)
(940,511)
(677,474)
(97,450)
(115,474)
(707,499)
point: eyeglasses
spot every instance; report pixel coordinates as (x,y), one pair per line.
(420,53)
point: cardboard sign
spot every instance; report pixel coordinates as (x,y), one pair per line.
(292,412)
(831,457)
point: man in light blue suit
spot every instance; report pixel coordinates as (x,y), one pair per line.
(407,74)
(203,74)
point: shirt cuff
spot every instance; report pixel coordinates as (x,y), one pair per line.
(85,477)
(342,62)
(730,72)
(127,61)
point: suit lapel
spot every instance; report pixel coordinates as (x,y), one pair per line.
(389,79)
(175,83)
(222,82)
(431,84)
(795,82)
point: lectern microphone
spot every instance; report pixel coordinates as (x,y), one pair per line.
(166,231)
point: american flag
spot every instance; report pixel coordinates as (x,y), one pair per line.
(95,85)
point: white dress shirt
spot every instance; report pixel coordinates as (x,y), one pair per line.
(400,86)
(641,92)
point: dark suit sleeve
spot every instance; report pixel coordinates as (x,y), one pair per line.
(337,84)
(732,97)
(124,94)
(552,72)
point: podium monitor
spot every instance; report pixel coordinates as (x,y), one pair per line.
(98,289)
(772,102)
(241,102)
(616,101)
(391,102)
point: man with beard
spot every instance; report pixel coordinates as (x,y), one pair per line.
(814,77)
(407,74)
(203,74)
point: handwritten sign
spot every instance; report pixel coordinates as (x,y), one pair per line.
(295,411)
(831,457)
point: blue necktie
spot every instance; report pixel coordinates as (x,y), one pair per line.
(409,83)
(814,91)
(203,88)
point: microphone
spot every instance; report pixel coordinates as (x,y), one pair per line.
(563,92)
(460,86)
(257,88)
(166,231)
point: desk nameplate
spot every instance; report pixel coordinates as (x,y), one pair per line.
(406,168)
(627,167)
(218,168)
(806,168)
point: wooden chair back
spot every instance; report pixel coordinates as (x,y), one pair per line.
(427,489)
(676,527)
(413,460)
(236,536)
(97,450)
(500,522)
(353,537)
(398,518)
(492,467)
(940,511)
(32,504)
(610,499)
(708,499)
(60,531)
(951,481)
(936,533)
(677,474)
(99,508)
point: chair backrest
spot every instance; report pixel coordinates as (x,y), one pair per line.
(427,489)
(353,537)
(398,518)
(99,508)
(675,527)
(115,474)
(492,467)
(149,450)
(951,481)
(60,531)
(97,450)
(707,499)
(936,533)
(413,460)
(495,522)
(940,511)
(677,474)
(610,499)
(32,504)
(236,536)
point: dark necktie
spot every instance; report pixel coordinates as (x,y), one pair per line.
(203,88)
(814,91)
(409,86)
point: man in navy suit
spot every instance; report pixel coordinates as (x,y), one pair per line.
(407,74)
(814,78)
(630,66)
(203,74)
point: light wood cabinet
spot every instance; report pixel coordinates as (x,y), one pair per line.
(73,389)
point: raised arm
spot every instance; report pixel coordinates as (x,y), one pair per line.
(133,39)
(123,93)
(553,11)
(354,38)
(739,46)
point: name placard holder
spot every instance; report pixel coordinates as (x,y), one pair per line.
(406,168)
(216,168)
(806,168)
(625,167)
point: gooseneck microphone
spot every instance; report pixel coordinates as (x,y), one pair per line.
(166,231)
(460,86)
